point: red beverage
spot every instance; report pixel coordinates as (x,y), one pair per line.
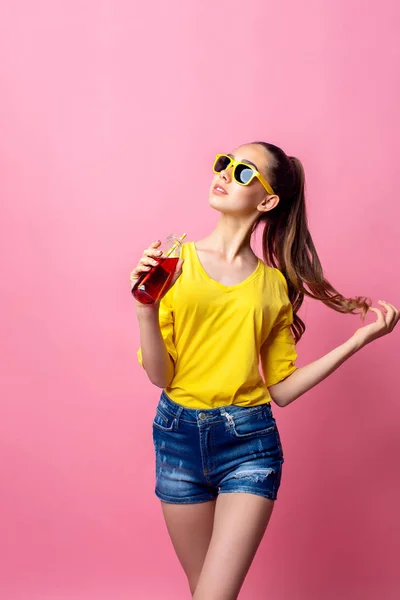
(150,286)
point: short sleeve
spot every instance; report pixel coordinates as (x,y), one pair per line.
(278,353)
(166,320)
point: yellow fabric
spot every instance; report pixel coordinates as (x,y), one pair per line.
(219,336)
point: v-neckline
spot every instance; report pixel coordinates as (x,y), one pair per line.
(227,288)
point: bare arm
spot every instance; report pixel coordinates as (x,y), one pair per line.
(305,378)
(156,360)
(157,363)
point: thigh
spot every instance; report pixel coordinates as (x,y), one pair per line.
(240,522)
(190,527)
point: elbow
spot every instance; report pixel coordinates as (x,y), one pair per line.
(277,398)
(155,380)
(279,402)
(161,381)
(283,400)
(162,378)
(282,392)
(275,395)
(163,374)
(160,384)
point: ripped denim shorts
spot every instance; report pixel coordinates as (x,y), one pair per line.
(200,453)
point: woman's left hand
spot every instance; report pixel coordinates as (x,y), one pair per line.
(385,323)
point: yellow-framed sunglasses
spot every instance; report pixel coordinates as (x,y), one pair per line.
(243,173)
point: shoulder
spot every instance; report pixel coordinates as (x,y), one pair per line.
(274,274)
(281,278)
(277,285)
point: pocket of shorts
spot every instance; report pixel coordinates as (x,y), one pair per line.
(252,425)
(163,421)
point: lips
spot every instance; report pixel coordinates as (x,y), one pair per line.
(219,189)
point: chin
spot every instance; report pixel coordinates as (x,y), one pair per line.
(215,202)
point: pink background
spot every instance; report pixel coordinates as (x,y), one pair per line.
(111,114)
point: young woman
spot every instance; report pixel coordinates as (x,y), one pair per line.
(218,450)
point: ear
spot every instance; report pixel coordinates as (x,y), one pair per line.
(268,203)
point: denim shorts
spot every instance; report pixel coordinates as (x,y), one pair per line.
(200,453)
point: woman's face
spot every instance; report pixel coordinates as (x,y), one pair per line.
(229,197)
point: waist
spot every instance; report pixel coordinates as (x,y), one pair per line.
(176,409)
(204,394)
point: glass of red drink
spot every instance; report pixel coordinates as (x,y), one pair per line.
(151,285)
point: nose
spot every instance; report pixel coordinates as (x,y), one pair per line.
(226,174)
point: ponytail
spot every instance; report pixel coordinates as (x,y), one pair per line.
(287,243)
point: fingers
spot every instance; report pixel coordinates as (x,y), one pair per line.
(151,252)
(149,258)
(137,271)
(179,264)
(392,313)
(147,261)
(381,316)
(397,311)
(178,271)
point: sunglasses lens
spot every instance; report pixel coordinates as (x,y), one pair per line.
(221,163)
(243,174)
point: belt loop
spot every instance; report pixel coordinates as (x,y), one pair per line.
(178,414)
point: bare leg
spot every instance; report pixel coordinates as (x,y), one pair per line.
(240,522)
(190,528)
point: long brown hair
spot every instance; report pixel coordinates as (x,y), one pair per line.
(287,243)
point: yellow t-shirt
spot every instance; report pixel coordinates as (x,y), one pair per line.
(219,335)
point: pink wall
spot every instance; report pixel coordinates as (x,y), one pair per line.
(110,115)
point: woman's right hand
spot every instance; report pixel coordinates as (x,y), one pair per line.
(144,265)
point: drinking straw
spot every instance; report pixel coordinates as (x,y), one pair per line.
(175,245)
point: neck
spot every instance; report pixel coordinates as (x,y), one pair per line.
(231,237)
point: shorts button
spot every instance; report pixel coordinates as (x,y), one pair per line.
(202,416)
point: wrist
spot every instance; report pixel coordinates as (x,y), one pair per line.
(355,343)
(147,311)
